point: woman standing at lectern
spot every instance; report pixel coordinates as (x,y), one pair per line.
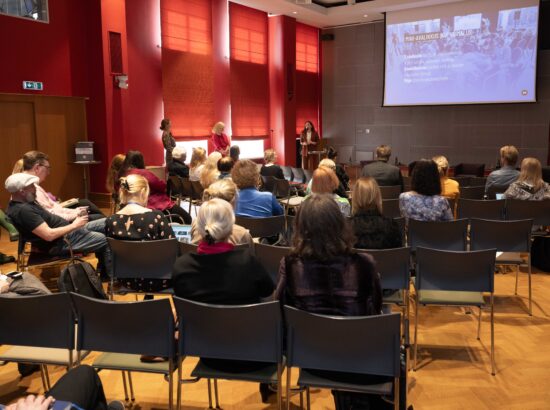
(167,139)
(220,140)
(308,140)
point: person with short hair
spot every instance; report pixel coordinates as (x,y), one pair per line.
(449,187)
(251,202)
(47,231)
(270,168)
(227,190)
(325,181)
(177,166)
(210,171)
(198,159)
(529,186)
(168,140)
(424,202)
(384,173)
(507,173)
(220,141)
(225,165)
(372,230)
(234,152)
(324,275)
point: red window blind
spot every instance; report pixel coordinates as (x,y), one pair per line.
(187,72)
(249,72)
(308,96)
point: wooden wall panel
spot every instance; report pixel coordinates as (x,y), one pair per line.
(48,124)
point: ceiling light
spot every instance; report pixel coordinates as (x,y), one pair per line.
(294,12)
(365,15)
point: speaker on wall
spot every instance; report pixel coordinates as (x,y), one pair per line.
(326,36)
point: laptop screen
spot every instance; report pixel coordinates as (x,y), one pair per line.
(182,232)
(499,196)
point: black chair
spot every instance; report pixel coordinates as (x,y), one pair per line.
(38,330)
(319,343)
(198,190)
(29,256)
(493,190)
(124,331)
(270,257)
(411,168)
(402,228)
(142,259)
(390,208)
(268,183)
(175,188)
(448,236)
(262,227)
(287,172)
(188,193)
(462,180)
(476,170)
(390,192)
(298,175)
(308,174)
(508,237)
(233,342)
(472,192)
(478,181)
(539,211)
(454,279)
(472,208)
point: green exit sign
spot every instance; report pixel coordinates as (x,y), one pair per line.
(33,85)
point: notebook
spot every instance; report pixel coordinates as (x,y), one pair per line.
(182,232)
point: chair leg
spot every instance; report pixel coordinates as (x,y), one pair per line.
(288,372)
(396,393)
(170,384)
(126,398)
(517,274)
(47,377)
(216,396)
(493,367)
(210,394)
(178,393)
(279,386)
(301,399)
(529,278)
(131,385)
(479,324)
(43,377)
(416,334)
(308,399)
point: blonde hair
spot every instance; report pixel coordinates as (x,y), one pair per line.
(245,174)
(215,220)
(383,152)
(531,173)
(324,181)
(270,155)
(442,165)
(325,162)
(224,189)
(366,196)
(18,166)
(198,157)
(210,171)
(510,154)
(134,188)
(218,127)
(112,172)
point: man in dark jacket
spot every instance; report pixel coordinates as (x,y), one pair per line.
(385,174)
(177,166)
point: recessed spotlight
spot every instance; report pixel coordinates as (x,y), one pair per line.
(294,12)
(365,15)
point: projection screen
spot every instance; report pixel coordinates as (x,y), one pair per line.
(467,52)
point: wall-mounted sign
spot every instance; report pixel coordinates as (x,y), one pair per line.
(33,85)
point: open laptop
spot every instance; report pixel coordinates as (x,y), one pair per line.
(499,196)
(182,232)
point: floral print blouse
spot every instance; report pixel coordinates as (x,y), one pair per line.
(424,207)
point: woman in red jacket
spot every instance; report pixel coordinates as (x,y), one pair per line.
(220,140)
(158,199)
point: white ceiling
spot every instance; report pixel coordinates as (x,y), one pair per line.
(320,16)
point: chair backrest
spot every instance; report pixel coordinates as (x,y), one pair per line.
(308,174)
(390,192)
(144,327)
(470,169)
(390,208)
(546,174)
(473,208)
(298,175)
(262,227)
(270,257)
(393,266)
(197,190)
(353,344)
(402,223)
(462,180)
(242,332)
(175,185)
(472,271)
(187,188)
(505,236)
(185,247)
(143,259)
(448,235)
(282,188)
(478,181)
(287,172)
(472,192)
(268,183)
(539,211)
(493,190)
(39,321)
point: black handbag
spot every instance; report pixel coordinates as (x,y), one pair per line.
(540,253)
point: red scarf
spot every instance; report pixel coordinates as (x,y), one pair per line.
(209,249)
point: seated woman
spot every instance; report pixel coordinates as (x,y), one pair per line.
(210,171)
(217,273)
(227,190)
(371,229)
(529,186)
(324,275)
(424,202)
(340,189)
(270,168)
(325,181)
(198,158)
(225,165)
(158,199)
(112,176)
(449,187)
(332,154)
(136,222)
(250,201)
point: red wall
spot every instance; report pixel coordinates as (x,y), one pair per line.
(53,53)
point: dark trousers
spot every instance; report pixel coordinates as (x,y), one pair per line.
(93,211)
(81,386)
(182,213)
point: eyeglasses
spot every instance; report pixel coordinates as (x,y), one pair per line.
(46,166)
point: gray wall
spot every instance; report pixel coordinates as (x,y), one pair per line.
(353,77)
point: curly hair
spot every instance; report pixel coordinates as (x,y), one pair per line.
(245,174)
(425,178)
(320,230)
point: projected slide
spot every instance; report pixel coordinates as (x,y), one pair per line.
(481,55)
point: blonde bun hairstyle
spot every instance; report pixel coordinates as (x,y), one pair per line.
(215,220)
(134,188)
